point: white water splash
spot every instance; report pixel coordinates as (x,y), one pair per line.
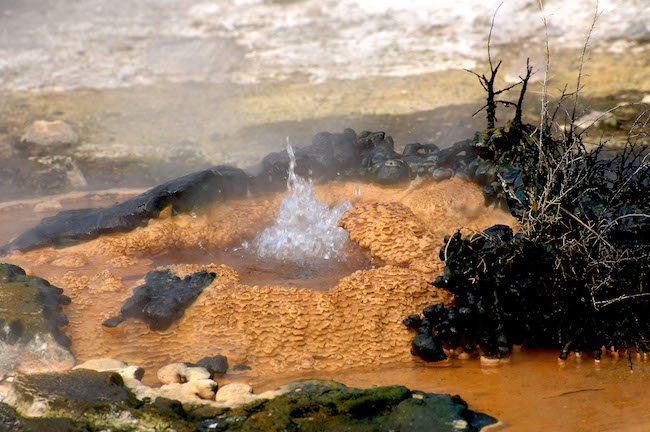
(306,228)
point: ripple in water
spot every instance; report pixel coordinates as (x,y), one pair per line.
(305,230)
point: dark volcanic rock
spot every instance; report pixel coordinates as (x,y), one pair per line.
(329,156)
(183,194)
(30,317)
(417,149)
(428,348)
(392,171)
(217,365)
(499,233)
(162,299)
(331,406)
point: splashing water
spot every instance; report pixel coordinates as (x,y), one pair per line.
(305,229)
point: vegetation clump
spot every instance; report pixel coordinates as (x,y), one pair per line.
(576,275)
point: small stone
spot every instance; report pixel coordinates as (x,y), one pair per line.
(46,206)
(172,373)
(236,394)
(197,373)
(217,365)
(181,373)
(203,388)
(112,365)
(440,174)
(43,135)
(428,348)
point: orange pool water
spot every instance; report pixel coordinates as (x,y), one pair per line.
(533,392)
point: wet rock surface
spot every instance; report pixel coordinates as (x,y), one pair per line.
(328,405)
(83,400)
(183,194)
(12,421)
(162,299)
(31,338)
(90,400)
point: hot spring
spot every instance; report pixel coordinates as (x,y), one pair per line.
(315,275)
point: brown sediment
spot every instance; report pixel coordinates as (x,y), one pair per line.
(274,327)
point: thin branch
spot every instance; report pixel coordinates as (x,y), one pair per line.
(490,36)
(582,63)
(604,303)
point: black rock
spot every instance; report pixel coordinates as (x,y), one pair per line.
(162,299)
(499,233)
(183,194)
(440,174)
(428,348)
(417,149)
(391,171)
(434,312)
(376,149)
(413,321)
(330,155)
(459,154)
(217,365)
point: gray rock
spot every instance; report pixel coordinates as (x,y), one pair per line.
(392,171)
(440,174)
(90,399)
(72,393)
(41,137)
